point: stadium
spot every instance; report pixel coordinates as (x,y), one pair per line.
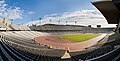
(55,42)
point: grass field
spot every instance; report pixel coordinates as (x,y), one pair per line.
(78,37)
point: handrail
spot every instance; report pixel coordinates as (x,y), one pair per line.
(103,55)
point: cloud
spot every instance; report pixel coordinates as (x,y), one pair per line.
(9,11)
(31,12)
(83,17)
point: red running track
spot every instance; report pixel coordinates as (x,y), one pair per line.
(57,43)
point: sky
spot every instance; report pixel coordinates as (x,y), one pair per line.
(35,9)
(24,11)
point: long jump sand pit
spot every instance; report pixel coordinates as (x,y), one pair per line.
(57,43)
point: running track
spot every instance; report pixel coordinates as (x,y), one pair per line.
(57,43)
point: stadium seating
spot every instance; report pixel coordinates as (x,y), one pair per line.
(71,28)
(92,54)
(19,27)
(17,47)
(21,45)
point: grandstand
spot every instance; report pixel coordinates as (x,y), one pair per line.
(21,45)
(39,43)
(69,28)
(19,27)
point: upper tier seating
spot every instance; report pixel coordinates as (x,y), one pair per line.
(19,27)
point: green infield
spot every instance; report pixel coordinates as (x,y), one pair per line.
(78,37)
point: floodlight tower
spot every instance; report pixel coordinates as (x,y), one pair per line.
(59,22)
(11,21)
(50,21)
(40,21)
(75,22)
(66,22)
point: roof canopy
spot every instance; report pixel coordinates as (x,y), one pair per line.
(109,11)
